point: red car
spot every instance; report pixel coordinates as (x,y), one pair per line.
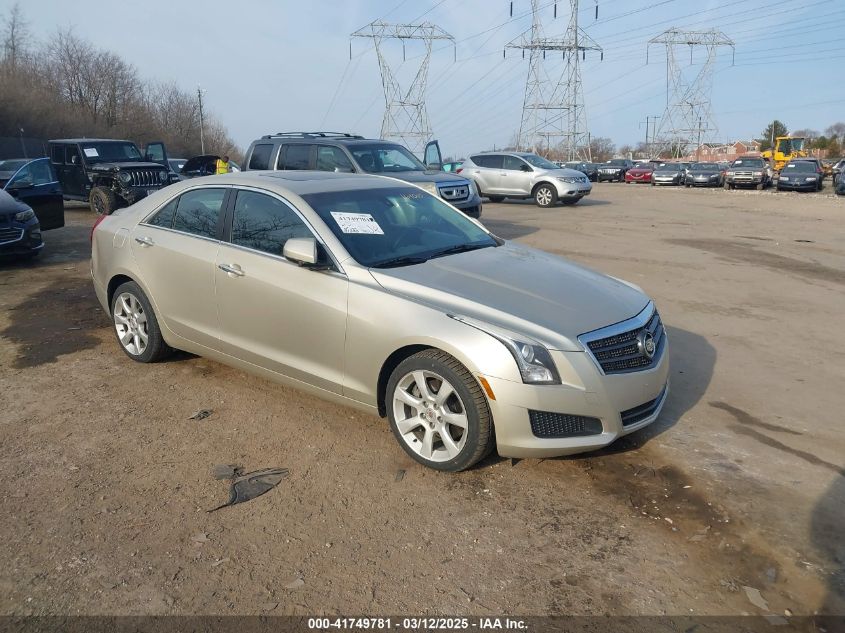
(639,173)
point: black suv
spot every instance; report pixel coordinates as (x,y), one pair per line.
(108,174)
(614,169)
(340,152)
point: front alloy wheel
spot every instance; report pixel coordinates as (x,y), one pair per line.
(545,196)
(438,412)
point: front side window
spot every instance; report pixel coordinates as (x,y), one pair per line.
(198,212)
(332,159)
(380,159)
(264,223)
(294,156)
(72,155)
(396,226)
(539,161)
(37,172)
(513,163)
(260,158)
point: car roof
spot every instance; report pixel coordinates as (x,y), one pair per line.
(303,182)
(89,140)
(341,140)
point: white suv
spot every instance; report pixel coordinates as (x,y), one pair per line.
(500,175)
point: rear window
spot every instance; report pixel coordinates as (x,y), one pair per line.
(494,161)
(260,158)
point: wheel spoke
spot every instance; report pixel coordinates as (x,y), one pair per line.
(141,318)
(408,424)
(451,448)
(422,385)
(122,320)
(124,305)
(408,399)
(126,339)
(144,337)
(456,419)
(137,341)
(443,393)
(427,448)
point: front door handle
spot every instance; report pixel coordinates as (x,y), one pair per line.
(232,269)
(144,241)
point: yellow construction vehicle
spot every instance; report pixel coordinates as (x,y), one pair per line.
(786,148)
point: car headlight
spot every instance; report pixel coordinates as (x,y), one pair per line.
(758,173)
(569,179)
(534,361)
(473,190)
(125,177)
(730,173)
(25,216)
(162,176)
(430,187)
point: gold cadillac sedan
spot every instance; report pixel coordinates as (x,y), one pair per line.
(373,293)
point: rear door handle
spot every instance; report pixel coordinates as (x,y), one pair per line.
(144,241)
(232,269)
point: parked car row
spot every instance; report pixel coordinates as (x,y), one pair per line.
(30,202)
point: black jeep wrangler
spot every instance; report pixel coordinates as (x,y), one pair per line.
(108,174)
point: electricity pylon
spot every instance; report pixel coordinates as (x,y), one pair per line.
(553,109)
(405,114)
(688,115)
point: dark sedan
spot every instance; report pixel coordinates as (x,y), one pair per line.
(668,174)
(35,184)
(590,170)
(704,175)
(20,233)
(800,175)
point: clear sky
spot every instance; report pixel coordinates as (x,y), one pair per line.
(277,65)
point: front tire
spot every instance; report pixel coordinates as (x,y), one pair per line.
(438,412)
(102,201)
(545,196)
(136,326)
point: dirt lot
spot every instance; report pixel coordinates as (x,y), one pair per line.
(105,482)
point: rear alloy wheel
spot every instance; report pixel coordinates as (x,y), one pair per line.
(438,413)
(135,325)
(545,196)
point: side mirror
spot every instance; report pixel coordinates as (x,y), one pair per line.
(74,159)
(301,250)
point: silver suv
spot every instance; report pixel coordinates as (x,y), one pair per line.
(500,175)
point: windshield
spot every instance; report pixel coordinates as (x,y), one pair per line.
(616,161)
(176,164)
(800,165)
(705,167)
(669,167)
(13,164)
(748,162)
(396,226)
(381,159)
(538,161)
(110,151)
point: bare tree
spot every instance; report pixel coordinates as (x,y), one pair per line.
(602,149)
(15,36)
(837,131)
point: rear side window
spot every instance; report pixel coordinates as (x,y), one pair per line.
(494,161)
(198,212)
(331,158)
(294,156)
(164,217)
(57,154)
(264,223)
(260,158)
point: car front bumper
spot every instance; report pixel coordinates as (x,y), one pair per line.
(798,186)
(20,239)
(704,182)
(609,174)
(573,190)
(470,206)
(665,181)
(629,177)
(587,392)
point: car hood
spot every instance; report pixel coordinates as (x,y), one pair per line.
(425,176)
(521,289)
(639,171)
(126,165)
(709,172)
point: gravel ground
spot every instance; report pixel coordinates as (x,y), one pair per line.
(739,487)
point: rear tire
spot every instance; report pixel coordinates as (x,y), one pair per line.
(102,201)
(545,196)
(136,326)
(423,429)
(759,187)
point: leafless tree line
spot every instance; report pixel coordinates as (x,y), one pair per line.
(68,88)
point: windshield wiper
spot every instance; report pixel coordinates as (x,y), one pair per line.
(459,248)
(400,261)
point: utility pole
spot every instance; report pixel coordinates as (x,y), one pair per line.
(688,107)
(200,93)
(555,109)
(23,145)
(405,113)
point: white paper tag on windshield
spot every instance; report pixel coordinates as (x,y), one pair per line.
(91,152)
(357,223)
